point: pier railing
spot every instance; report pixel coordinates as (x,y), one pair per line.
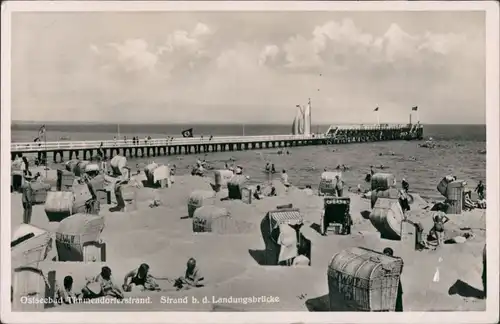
(180,141)
(80,145)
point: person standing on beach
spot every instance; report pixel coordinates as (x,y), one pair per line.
(339,186)
(399,298)
(27,199)
(480,190)
(284,179)
(438,229)
(26,165)
(372,172)
(420,243)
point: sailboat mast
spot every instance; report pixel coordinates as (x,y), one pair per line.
(310,119)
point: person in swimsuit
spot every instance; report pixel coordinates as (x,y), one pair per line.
(140,277)
(438,229)
(480,190)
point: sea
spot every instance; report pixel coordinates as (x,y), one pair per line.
(459,151)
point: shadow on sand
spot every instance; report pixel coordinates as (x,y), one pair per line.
(316,227)
(463,289)
(116,209)
(259,256)
(318,304)
(365,214)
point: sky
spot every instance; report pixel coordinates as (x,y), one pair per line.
(248,67)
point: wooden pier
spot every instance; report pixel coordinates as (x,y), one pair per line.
(89,150)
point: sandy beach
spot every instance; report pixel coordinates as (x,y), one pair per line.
(163,238)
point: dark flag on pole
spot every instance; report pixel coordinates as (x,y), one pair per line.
(414,108)
(187,133)
(376,109)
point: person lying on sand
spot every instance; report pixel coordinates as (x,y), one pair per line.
(102,285)
(140,278)
(459,239)
(65,293)
(192,278)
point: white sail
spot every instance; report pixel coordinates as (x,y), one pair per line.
(295,129)
(300,120)
(307,119)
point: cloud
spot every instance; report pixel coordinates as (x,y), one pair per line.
(201,30)
(268,54)
(302,53)
(137,60)
(339,44)
(134,55)
(174,71)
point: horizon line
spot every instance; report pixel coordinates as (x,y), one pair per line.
(26,122)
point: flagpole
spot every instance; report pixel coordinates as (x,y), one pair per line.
(378,117)
(45,148)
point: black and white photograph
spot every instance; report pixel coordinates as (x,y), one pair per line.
(317,159)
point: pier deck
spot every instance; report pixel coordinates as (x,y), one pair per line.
(174,146)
